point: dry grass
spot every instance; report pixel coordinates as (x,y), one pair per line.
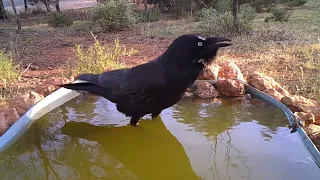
(98,58)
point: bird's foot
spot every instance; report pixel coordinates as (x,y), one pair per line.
(134,121)
(135,125)
(154,115)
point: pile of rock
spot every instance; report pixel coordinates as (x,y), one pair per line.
(225,86)
(51,84)
(307,110)
(19,105)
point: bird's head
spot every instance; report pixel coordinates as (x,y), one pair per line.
(196,48)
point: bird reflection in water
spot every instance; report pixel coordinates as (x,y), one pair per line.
(149,152)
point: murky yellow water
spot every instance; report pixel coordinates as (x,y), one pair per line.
(192,140)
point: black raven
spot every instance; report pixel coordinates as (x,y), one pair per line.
(154,86)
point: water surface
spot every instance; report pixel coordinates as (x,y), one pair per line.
(224,140)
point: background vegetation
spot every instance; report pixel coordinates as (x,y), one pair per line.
(277,37)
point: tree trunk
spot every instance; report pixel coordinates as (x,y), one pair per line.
(191,8)
(145,4)
(47,5)
(16,14)
(25,4)
(57,6)
(2,11)
(235,15)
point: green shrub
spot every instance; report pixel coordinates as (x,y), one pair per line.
(216,23)
(85,26)
(296,2)
(8,72)
(246,14)
(98,58)
(204,13)
(38,11)
(59,20)
(223,6)
(25,14)
(280,14)
(149,15)
(267,19)
(114,15)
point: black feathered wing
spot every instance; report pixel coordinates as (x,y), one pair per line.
(142,92)
(143,83)
(137,85)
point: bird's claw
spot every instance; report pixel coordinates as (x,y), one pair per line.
(134,125)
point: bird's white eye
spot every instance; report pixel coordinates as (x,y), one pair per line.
(200,44)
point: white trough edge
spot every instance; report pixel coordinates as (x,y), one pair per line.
(62,95)
(44,106)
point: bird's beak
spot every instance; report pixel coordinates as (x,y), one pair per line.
(217,42)
(212,46)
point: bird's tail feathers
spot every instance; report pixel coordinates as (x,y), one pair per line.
(88,77)
(92,88)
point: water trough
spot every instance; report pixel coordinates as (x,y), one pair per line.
(62,95)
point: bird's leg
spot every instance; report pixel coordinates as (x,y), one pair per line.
(134,120)
(155,114)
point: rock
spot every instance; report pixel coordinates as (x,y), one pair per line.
(305,118)
(11,115)
(230,71)
(228,87)
(261,82)
(267,84)
(51,84)
(313,131)
(206,90)
(7,118)
(3,125)
(315,110)
(297,100)
(56,81)
(45,89)
(24,102)
(210,72)
(317,119)
(300,103)
(274,93)
(281,90)
(71,78)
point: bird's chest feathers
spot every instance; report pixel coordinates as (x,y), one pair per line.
(192,68)
(185,74)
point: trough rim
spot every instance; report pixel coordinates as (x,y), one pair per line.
(63,95)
